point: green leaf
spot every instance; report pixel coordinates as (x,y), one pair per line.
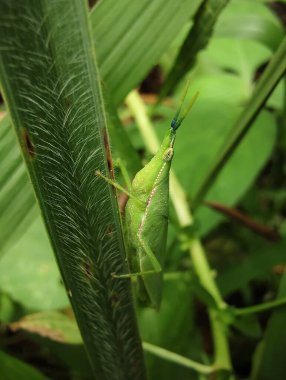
(117,66)
(56,105)
(9,310)
(176,312)
(17,201)
(276,100)
(248,325)
(255,265)
(202,294)
(59,334)
(36,285)
(196,40)
(73,356)
(128,49)
(240,171)
(271,364)
(242,58)
(250,20)
(12,368)
(52,325)
(238,20)
(262,91)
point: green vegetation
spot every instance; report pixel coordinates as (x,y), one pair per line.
(69,78)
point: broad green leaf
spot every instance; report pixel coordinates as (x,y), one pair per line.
(116,51)
(59,328)
(245,19)
(276,99)
(59,334)
(248,325)
(241,170)
(211,120)
(266,84)
(9,309)
(242,58)
(53,325)
(172,328)
(220,88)
(238,20)
(17,201)
(56,105)
(271,363)
(72,355)
(12,369)
(255,265)
(29,273)
(128,49)
(202,294)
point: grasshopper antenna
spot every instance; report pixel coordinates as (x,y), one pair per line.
(179,115)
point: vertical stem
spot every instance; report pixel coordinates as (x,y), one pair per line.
(180,202)
(205,273)
(221,348)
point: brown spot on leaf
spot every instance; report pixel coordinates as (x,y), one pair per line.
(92,3)
(28,144)
(88,268)
(44,331)
(115,299)
(109,231)
(123,199)
(108,152)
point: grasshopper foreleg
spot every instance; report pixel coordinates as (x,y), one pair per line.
(122,167)
(113,183)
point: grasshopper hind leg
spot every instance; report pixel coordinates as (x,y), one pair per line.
(153,262)
(150,278)
(137,274)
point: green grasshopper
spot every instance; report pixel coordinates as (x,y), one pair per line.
(146,216)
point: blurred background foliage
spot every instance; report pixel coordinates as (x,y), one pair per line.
(145,45)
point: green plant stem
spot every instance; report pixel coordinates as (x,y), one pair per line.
(260,308)
(180,202)
(221,348)
(176,358)
(205,273)
(198,256)
(138,110)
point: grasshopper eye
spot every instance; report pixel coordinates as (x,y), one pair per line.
(169,154)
